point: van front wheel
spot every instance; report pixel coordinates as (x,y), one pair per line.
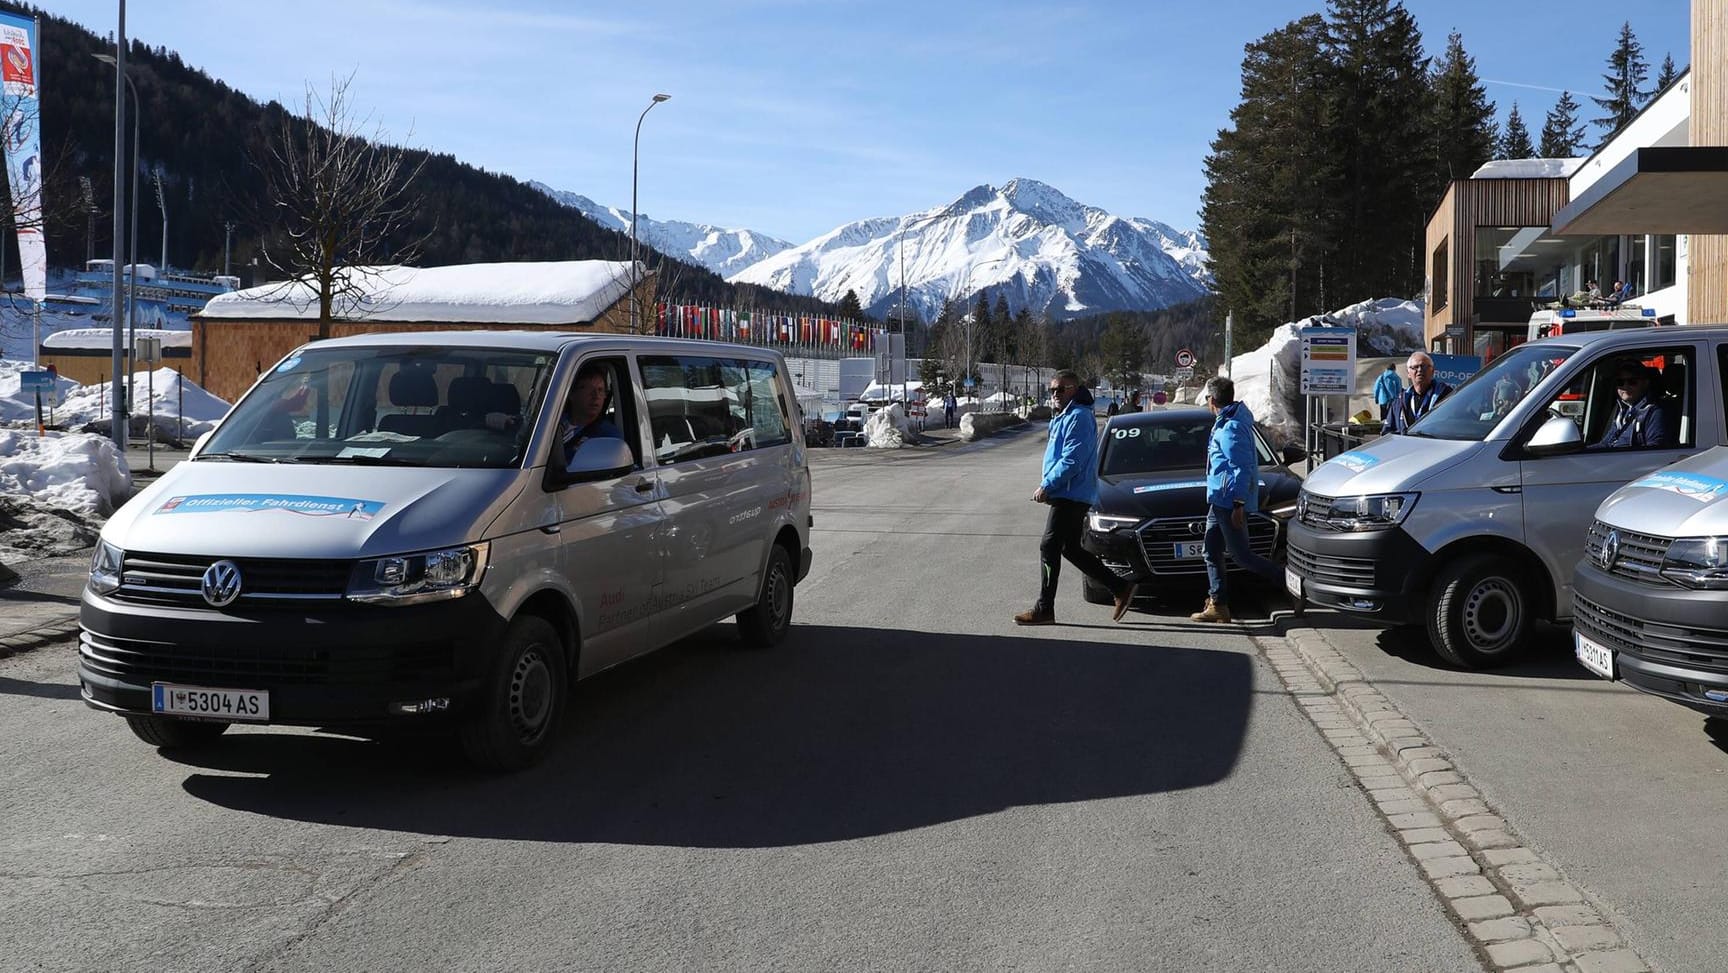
(520,701)
(766,623)
(1480,612)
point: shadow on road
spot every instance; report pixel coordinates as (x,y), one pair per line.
(22,687)
(840,733)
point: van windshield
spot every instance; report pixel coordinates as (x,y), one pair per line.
(1473,409)
(389,406)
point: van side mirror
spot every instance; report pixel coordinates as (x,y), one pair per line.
(1294,454)
(1557,434)
(599,458)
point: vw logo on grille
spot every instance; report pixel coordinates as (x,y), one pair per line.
(1610,550)
(221,584)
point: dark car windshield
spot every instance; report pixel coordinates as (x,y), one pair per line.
(1176,444)
(391,405)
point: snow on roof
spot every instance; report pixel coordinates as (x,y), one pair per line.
(547,292)
(1528,168)
(104,338)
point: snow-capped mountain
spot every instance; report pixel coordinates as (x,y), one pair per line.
(1027,240)
(726,252)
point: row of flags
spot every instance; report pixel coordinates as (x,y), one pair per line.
(763,327)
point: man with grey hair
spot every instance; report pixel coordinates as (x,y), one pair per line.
(1424,393)
(1232,493)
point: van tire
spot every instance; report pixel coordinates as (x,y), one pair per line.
(765,624)
(172,734)
(1480,613)
(1095,593)
(521,700)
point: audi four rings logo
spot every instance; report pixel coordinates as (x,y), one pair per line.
(1610,550)
(221,584)
(1197,527)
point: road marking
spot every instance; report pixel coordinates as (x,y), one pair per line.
(1514,907)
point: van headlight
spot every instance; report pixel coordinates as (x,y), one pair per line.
(1697,562)
(409,579)
(105,568)
(1104,523)
(1371,512)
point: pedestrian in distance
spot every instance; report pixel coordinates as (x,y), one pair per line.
(950,407)
(1069,486)
(1232,494)
(1425,392)
(1386,389)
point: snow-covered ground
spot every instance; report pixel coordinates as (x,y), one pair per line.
(1268,379)
(165,394)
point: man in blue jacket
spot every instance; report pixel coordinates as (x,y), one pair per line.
(1425,392)
(1386,389)
(1070,487)
(1232,493)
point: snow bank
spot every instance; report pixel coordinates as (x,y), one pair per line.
(76,472)
(1269,378)
(90,403)
(888,428)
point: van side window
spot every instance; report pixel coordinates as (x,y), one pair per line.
(704,406)
(599,402)
(1640,399)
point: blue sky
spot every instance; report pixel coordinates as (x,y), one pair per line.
(792,117)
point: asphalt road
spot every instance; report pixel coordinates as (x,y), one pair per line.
(910,782)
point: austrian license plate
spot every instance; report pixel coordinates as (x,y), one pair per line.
(251,705)
(1597,658)
(1190,549)
(1293,583)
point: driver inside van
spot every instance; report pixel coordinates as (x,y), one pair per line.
(1640,418)
(584,412)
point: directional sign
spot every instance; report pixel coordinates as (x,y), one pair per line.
(1184,359)
(36,381)
(1328,361)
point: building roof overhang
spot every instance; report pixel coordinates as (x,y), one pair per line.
(1655,189)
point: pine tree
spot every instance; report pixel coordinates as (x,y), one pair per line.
(1624,82)
(1515,141)
(850,308)
(1667,75)
(1463,129)
(1562,135)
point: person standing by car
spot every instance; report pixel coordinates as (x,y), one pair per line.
(1424,393)
(1386,389)
(1070,486)
(1232,493)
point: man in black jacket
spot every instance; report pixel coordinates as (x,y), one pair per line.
(1424,393)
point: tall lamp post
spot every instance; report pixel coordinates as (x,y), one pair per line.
(117,425)
(635,158)
(132,252)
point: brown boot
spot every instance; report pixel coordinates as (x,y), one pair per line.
(1213,612)
(1035,616)
(1124,601)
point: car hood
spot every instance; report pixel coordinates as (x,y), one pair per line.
(1688,499)
(283,510)
(1184,492)
(1390,464)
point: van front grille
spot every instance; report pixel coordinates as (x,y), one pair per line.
(177,579)
(243,665)
(1637,557)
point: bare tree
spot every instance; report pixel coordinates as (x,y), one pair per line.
(337,204)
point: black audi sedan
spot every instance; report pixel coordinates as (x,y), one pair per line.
(1150,521)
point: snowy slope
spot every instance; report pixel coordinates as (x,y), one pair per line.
(1026,240)
(723,251)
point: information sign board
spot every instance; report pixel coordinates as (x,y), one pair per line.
(1328,361)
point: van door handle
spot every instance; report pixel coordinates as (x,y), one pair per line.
(644,486)
(552,529)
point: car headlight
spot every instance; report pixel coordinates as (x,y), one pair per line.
(408,579)
(1697,562)
(1104,523)
(1371,512)
(105,568)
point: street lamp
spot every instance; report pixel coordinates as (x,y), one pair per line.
(132,252)
(117,427)
(635,157)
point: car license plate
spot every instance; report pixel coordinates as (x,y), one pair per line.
(1597,658)
(251,705)
(1293,583)
(1190,549)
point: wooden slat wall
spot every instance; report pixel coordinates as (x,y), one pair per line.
(1468,204)
(1707,283)
(1442,227)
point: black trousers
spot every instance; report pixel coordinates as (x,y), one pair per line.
(1062,540)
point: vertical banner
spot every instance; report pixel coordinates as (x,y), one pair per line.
(20,130)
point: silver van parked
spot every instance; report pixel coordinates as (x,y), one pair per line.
(1471,524)
(397,528)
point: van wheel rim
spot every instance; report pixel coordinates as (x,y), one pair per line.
(530,702)
(1491,614)
(779,600)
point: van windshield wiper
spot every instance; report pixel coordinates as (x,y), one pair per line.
(358,460)
(237,456)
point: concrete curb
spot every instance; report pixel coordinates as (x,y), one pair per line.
(52,631)
(1519,911)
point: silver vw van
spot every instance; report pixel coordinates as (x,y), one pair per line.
(1471,524)
(397,528)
